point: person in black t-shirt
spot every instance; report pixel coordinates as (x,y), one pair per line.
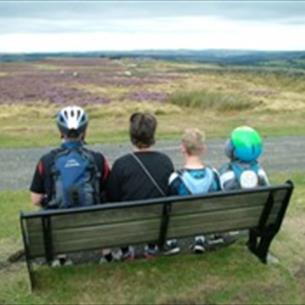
(48,189)
(72,122)
(129,178)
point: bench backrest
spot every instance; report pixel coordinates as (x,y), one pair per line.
(225,212)
(47,233)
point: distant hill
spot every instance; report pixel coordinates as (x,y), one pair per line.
(222,57)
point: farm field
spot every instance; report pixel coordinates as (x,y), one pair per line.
(212,97)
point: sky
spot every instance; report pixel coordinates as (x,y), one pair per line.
(52,26)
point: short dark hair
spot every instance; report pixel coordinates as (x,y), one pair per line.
(142,129)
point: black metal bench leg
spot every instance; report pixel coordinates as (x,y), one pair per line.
(31,275)
(263,247)
(252,242)
(164,225)
(27,256)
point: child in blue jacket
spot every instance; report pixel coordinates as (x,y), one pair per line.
(194,178)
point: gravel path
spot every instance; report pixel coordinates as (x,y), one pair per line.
(281,154)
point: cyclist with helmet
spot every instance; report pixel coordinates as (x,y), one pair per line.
(70,176)
(243,148)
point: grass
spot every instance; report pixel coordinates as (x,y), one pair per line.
(205,100)
(34,126)
(228,276)
(215,99)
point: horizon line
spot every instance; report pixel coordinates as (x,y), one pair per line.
(151,50)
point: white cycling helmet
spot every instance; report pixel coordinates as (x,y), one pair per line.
(72,120)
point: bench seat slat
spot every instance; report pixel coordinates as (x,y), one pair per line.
(224,203)
(228,202)
(218,221)
(185,230)
(99,217)
(98,243)
(200,209)
(214,219)
(117,230)
(102,242)
(36,246)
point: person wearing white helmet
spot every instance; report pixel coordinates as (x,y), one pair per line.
(71,175)
(72,121)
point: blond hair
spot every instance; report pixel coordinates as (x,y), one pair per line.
(193,141)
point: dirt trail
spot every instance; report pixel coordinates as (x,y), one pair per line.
(281,154)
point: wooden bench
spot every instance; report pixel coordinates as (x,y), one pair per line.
(51,232)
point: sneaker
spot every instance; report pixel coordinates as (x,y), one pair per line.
(61,260)
(106,258)
(117,255)
(231,237)
(171,247)
(55,263)
(128,254)
(199,245)
(215,240)
(68,262)
(150,251)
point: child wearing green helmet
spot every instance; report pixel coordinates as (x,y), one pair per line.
(243,148)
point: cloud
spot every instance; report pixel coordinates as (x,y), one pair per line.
(108,10)
(181,32)
(76,25)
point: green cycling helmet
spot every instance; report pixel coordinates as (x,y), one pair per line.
(245,144)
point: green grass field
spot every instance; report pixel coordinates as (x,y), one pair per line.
(227,276)
(110,125)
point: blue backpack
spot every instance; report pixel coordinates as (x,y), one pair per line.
(195,186)
(76,178)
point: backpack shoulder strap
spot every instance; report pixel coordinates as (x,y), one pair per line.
(210,175)
(214,175)
(236,168)
(93,158)
(180,173)
(53,154)
(150,177)
(97,169)
(255,166)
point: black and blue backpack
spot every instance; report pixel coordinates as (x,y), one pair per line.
(76,178)
(247,174)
